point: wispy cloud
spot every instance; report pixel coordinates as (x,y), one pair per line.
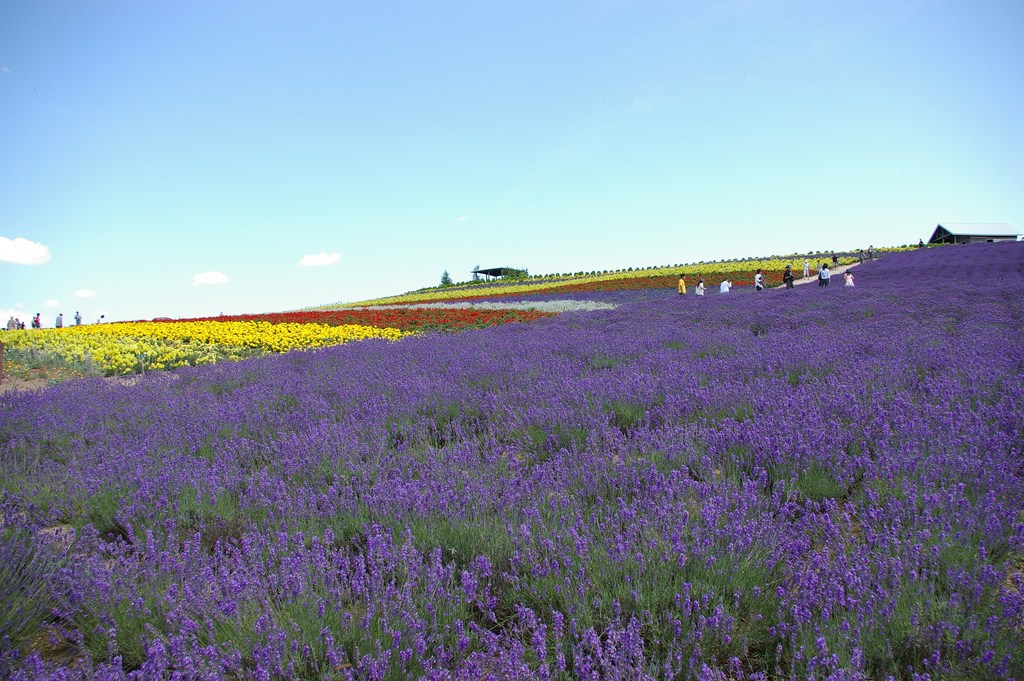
(643,105)
(320,259)
(209,278)
(23,252)
(6,69)
(50,302)
(463,218)
(85,293)
(6,313)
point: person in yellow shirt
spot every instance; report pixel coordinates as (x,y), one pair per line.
(682,284)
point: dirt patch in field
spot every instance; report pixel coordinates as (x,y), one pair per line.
(11,384)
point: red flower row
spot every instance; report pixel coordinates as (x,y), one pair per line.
(635,284)
(406,319)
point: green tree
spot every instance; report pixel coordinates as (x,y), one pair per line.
(446,279)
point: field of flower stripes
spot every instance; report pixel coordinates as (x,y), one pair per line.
(137,347)
(740,272)
(817,483)
(404,318)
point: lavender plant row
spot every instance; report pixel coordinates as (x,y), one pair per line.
(820,483)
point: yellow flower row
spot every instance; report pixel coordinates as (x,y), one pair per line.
(731,267)
(131,347)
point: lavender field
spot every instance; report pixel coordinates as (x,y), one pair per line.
(818,483)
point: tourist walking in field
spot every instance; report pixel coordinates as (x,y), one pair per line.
(835,260)
(37,322)
(787,276)
(848,278)
(682,284)
(60,321)
(78,318)
(700,287)
(758,280)
(825,274)
(807,268)
(871,252)
(724,286)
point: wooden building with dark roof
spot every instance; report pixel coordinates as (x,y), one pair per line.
(509,272)
(973,232)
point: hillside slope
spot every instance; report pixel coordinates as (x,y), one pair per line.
(811,483)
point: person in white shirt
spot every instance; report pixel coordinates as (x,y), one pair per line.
(848,278)
(725,286)
(758,281)
(700,287)
(807,268)
(825,274)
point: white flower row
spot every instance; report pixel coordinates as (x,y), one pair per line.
(539,305)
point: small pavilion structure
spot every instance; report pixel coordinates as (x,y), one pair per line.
(973,232)
(499,272)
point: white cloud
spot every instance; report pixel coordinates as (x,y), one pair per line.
(50,302)
(643,105)
(23,251)
(209,278)
(320,259)
(7,312)
(463,218)
(6,69)
(85,293)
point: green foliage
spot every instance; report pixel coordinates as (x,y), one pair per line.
(545,441)
(817,484)
(716,350)
(599,361)
(28,587)
(101,510)
(216,518)
(32,364)
(626,414)
(120,631)
(462,540)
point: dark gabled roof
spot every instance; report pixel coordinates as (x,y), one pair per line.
(497,271)
(975,229)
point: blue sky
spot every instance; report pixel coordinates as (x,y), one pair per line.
(190,158)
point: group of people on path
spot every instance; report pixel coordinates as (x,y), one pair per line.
(699,289)
(14,324)
(788,278)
